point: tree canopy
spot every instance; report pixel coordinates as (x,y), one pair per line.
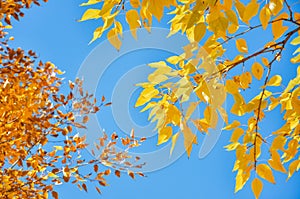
(39,144)
(211,27)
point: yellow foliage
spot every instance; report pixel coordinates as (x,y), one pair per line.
(211,76)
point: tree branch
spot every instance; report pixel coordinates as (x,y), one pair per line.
(288,36)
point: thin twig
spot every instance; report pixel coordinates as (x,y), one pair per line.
(288,36)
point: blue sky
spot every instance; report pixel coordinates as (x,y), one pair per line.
(53,32)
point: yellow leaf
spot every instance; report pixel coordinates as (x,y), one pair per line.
(275,162)
(191,109)
(97,34)
(174,59)
(52,175)
(91,14)
(257,70)
(107,7)
(119,28)
(241,179)
(292,150)
(202,91)
(265,61)
(211,116)
(164,134)
(231,15)
(265,172)
(240,8)
(250,10)
(113,38)
(275,6)
(296,59)
(227,4)
(296,41)
(135,3)
(241,45)
(60,148)
(239,107)
(232,146)
(265,16)
(199,31)
(278,143)
(201,125)
(147,94)
(173,115)
(223,114)
(174,140)
(133,19)
(274,103)
(245,80)
(257,187)
(233,125)
(90,2)
(108,21)
(232,28)
(277,27)
(275,81)
(148,106)
(157,7)
(236,134)
(231,87)
(157,78)
(293,167)
(184,89)
(189,138)
(293,82)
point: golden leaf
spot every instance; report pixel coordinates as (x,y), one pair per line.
(275,162)
(275,6)
(133,19)
(265,16)
(164,134)
(174,140)
(54,194)
(199,31)
(231,87)
(265,172)
(146,95)
(275,81)
(237,133)
(250,10)
(90,2)
(257,187)
(135,3)
(241,45)
(91,14)
(233,125)
(277,27)
(257,70)
(295,165)
(113,38)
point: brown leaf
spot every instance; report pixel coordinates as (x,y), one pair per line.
(84,187)
(131,174)
(117,173)
(54,194)
(85,119)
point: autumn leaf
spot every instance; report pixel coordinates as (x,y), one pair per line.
(257,187)
(275,81)
(257,70)
(265,172)
(241,45)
